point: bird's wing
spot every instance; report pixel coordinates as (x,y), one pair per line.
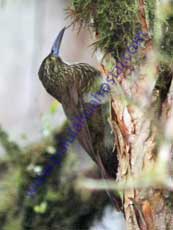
(73,110)
(84,79)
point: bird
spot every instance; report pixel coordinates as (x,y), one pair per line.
(70,84)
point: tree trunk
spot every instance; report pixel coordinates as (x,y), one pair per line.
(142,104)
(142,155)
(142,117)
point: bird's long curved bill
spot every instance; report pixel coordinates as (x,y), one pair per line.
(57,43)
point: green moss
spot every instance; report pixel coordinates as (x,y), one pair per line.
(166,46)
(150,12)
(116,22)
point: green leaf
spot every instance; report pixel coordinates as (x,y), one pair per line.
(41,208)
(54,106)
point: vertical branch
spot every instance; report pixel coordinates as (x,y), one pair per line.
(142,15)
(144,23)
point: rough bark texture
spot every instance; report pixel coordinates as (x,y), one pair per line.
(142,104)
(137,134)
(139,126)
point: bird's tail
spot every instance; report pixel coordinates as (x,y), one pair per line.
(115,199)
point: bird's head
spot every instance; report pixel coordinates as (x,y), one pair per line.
(51,69)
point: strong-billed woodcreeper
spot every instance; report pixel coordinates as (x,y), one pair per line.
(70,84)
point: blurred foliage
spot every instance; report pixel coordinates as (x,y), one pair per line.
(55,105)
(12,149)
(166,46)
(57,205)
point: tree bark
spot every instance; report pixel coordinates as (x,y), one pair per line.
(141,118)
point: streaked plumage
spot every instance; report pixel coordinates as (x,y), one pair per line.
(69,84)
